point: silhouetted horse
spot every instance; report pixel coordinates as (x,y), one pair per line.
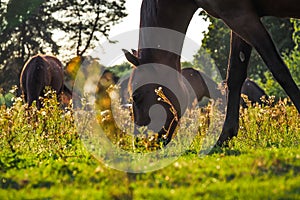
(41,71)
(253,92)
(145,97)
(243,17)
(204,86)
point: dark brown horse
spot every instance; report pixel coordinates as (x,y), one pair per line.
(148,110)
(243,17)
(41,71)
(201,85)
(253,92)
(204,86)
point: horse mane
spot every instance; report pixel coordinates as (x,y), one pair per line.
(150,16)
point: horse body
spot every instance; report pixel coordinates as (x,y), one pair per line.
(203,86)
(197,83)
(261,8)
(253,92)
(243,17)
(41,71)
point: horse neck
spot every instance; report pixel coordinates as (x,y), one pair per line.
(163,27)
(171,14)
(160,57)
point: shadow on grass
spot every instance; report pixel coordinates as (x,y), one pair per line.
(9,183)
(225,151)
(216,150)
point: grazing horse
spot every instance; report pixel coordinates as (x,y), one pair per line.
(243,18)
(253,92)
(41,71)
(145,98)
(202,85)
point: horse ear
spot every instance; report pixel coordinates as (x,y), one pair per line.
(134,52)
(131,58)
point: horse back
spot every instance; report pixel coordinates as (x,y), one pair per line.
(252,91)
(277,8)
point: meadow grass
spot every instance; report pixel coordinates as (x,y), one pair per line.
(43,157)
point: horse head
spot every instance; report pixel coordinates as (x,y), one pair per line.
(159,96)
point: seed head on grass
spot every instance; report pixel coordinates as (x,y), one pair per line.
(162,97)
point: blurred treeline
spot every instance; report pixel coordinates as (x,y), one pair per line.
(65,28)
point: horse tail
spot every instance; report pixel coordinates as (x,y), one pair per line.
(36,78)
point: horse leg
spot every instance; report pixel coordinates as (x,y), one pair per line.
(250,28)
(237,72)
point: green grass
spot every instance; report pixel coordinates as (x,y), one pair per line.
(42,157)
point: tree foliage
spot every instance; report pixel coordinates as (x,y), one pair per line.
(217,43)
(86,21)
(121,70)
(205,63)
(28,27)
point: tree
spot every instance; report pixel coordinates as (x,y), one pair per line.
(121,70)
(204,62)
(86,21)
(217,43)
(27,27)
(23,30)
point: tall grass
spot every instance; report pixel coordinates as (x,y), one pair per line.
(51,133)
(28,135)
(42,157)
(272,125)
